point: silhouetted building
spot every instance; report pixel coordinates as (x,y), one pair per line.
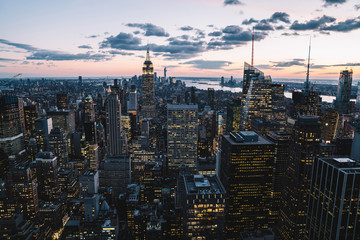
(246,171)
(113,125)
(62,101)
(343,94)
(334,199)
(304,147)
(329,124)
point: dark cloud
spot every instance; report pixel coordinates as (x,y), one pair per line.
(210,25)
(334,2)
(290,34)
(215,34)
(204,64)
(346,26)
(186,28)
(122,41)
(243,36)
(61,56)
(280,16)
(250,21)
(117,52)
(263,25)
(293,62)
(18,45)
(93,36)
(85,46)
(8,60)
(357,6)
(232,2)
(136,32)
(2,66)
(232,29)
(312,24)
(280,28)
(336,65)
(150,29)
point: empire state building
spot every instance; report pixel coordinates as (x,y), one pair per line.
(148,92)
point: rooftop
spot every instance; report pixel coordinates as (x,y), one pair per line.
(203,184)
(182,107)
(246,138)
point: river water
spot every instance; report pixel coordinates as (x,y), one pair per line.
(205,84)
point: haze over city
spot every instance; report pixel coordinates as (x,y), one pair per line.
(207,38)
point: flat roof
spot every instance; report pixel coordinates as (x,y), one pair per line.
(261,141)
(342,160)
(203,184)
(182,107)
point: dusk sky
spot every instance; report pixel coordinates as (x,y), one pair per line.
(209,38)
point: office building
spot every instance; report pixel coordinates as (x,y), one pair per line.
(329,124)
(89,110)
(182,136)
(334,208)
(89,182)
(246,171)
(303,148)
(343,94)
(47,176)
(58,145)
(202,199)
(64,119)
(62,101)
(257,100)
(11,124)
(31,113)
(211,98)
(113,125)
(43,128)
(148,89)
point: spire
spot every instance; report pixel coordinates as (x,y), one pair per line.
(147,54)
(307,83)
(252,52)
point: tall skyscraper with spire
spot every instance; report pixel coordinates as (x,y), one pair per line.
(148,91)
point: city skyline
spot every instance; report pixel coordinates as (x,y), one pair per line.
(204,38)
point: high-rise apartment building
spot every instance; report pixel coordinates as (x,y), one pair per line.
(246,171)
(148,89)
(333,206)
(343,93)
(303,148)
(182,136)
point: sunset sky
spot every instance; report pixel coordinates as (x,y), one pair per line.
(209,38)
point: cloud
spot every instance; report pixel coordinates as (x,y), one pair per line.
(312,24)
(8,60)
(334,2)
(249,21)
(136,32)
(2,66)
(346,26)
(263,25)
(122,41)
(215,34)
(280,16)
(232,29)
(357,6)
(280,28)
(117,52)
(293,62)
(186,28)
(232,2)
(290,34)
(207,64)
(337,65)
(150,29)
(85,46)
(18,45)
(93,36)
(210,25)
(61,56)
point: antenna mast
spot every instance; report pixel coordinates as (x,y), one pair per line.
(307,83)
(252,52)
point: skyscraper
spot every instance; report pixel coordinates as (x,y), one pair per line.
(62,101)
(257,92)
(182,136)
(11,121)
(113,125)
(334,208)
(303,148)
(58,145)
(344,92)
(148,91)
(89,110)
(329,124)
(246,171)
